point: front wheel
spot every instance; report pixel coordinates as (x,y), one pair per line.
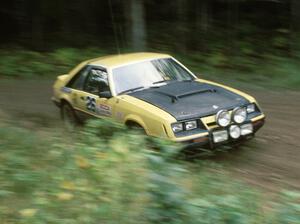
(68,116)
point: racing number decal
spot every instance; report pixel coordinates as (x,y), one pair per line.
(102,109)
(91,104)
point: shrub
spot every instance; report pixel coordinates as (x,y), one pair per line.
(244,65)
(28,64)
(107,174)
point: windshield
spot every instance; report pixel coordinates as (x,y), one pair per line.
(146,74)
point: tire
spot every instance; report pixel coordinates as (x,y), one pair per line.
(68,116)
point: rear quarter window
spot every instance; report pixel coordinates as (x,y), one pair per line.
(78,80)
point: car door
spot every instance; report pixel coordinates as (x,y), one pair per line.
(85,100)
(76,85)
(88,100)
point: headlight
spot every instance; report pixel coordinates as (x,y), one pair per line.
(190,125)
(239,115)
(223,118)
(251,108)
(246,129)
(220,136)
(177,127)
(234,131)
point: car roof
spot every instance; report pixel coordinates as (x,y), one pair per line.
(123,59)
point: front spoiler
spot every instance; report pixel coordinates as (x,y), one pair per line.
(207,141)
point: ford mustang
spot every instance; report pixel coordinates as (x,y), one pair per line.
(158,94)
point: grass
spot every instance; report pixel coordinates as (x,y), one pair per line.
(107,174)
(266,70)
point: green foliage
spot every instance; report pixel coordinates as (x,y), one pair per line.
(107,174)
(28,64)
(89,181)
(289,208)
(247,65)
(218,60)
(266,70)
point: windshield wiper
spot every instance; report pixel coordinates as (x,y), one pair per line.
(161,81)
(131,90)
(187,80)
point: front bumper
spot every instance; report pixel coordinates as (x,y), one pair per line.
(207,141)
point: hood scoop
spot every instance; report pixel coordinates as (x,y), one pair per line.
(175,98)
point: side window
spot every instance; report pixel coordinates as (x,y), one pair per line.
(96,81)
(78,80)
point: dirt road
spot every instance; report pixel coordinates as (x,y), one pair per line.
(271,160)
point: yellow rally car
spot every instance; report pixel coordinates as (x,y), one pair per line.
(157,93)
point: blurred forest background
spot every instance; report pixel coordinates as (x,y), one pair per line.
(48,175)
(234,26)
(236,36)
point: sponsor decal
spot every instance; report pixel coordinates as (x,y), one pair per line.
(103,109)
(119,115)
(66,89)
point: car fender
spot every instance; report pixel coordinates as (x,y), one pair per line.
(154,120)
(245,95)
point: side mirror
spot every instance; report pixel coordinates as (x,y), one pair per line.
(105,94)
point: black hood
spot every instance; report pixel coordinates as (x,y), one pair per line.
(190,99)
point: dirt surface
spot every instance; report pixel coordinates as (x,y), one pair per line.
(270,161)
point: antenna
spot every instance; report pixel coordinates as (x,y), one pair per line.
(114,26)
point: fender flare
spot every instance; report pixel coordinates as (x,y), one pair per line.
(136,119)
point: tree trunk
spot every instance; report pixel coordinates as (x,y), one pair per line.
(232,23)
(181,27)
(37,30)
(295,25)
(138,25)
(205,16)
(203,22)
(22,21)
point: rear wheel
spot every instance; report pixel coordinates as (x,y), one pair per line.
(68,116)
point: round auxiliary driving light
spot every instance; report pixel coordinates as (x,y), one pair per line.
(234,131)
(223,118)
(239,115)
